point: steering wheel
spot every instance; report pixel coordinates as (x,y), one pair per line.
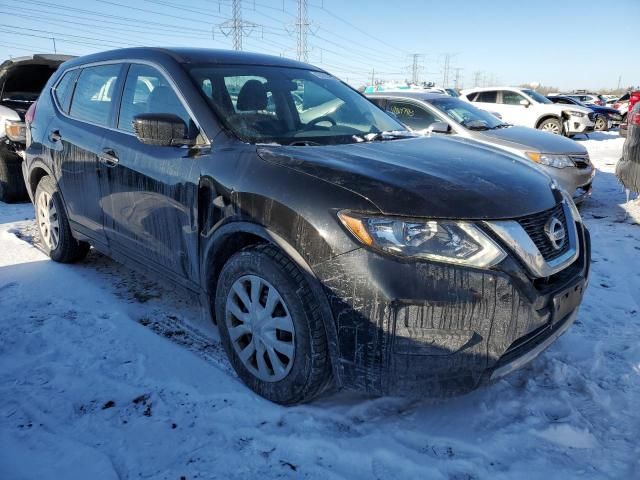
(315,121)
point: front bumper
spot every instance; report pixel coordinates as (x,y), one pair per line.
(574,125)
(428,329)
(576,181)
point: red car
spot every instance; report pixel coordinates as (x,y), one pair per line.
(634,97)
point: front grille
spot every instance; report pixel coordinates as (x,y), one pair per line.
(534,226)
(581,161)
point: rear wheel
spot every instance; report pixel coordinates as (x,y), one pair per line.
(55,233)
(551,125)
(601,124)
(271,327)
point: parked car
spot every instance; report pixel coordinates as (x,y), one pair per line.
(606,117)
(566,161)
(341,250)
(526,107)
(624,105)
(628,167)
(21,80)
(586,98)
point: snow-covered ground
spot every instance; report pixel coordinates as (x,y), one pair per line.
(105,374)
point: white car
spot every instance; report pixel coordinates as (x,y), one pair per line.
(526,107)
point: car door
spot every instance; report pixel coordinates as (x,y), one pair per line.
(85,104)
(412,114)
(486,100)
(513,111)
(150,192)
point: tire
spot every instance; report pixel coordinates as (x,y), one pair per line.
(12,187)
(551,125)
(602,124)
(304,367)
(55,233)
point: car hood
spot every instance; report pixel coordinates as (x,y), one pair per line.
(435,177)
(561,108)
(530,139)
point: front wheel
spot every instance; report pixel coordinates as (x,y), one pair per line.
(55,233)
(551,125)
(271,327)
(602,124)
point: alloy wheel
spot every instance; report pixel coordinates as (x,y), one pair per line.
(48,221)
(260,328)
(550,127)
(600,123)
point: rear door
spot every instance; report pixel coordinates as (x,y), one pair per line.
(412,114)
(486,100)
(151,191)
(85,103)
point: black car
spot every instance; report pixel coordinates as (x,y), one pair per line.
(331,246)
(606,117)
(21,81)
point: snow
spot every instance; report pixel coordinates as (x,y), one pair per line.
(105,374)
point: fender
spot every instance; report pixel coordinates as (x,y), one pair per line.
(218,237)
(30,179)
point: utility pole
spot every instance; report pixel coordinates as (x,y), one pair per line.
(55,50)
(456,81)
(302,27)
(373,77)
(619,81)
(445,70)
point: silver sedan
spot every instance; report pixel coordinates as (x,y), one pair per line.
(565,160)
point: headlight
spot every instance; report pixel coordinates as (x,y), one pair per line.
(551,160)
(573,113)
(446,241)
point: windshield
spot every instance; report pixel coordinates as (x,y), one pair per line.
(290,106)
(466,114)
(536,96)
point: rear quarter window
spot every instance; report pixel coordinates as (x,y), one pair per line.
(64,89)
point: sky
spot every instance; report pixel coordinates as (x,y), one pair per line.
(566,44)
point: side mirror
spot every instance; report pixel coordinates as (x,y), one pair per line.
(163,129)
(524,102)
(438,127)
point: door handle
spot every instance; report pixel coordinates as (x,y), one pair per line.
(108,157)
(54,135)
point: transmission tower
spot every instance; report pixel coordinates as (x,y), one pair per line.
(415,68)
(236,28)
(456,80)
(302,28)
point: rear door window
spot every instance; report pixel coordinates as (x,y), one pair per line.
(64,89)
(412,115)
(94,92)
(486,97)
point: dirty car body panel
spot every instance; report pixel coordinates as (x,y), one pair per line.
(394,324)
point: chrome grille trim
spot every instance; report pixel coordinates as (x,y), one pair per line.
(516,238)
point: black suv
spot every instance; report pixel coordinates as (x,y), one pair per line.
(331,245)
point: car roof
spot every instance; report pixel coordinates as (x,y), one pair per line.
(489,89)
(192,56)
(412,95)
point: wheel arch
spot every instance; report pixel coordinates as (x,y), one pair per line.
(547,117)
(234,236)
(38,170)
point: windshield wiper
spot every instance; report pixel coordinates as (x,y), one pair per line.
(502,125)
(386,135)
